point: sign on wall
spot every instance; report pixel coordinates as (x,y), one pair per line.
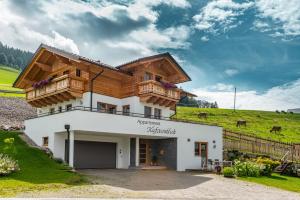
(154,127)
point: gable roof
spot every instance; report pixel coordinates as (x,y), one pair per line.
(69,55)
(166,54)
(77,58)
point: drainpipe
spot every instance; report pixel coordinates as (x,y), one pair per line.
(67,127)
(176,105)
(91,88)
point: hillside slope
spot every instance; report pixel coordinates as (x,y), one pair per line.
(7,77)
(37,170)
(259,123)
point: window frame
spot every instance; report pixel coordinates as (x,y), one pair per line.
(126,109)
(68,107)
(147,115)
(157,115)
(78,72)
(45,141)
(148,76)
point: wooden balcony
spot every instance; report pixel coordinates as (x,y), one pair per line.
(58,90)
(153,92)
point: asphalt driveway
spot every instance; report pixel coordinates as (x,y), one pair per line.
(164,184)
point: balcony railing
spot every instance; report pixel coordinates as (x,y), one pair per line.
(151,86)
(58,84)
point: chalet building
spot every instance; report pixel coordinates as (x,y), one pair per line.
(93,115)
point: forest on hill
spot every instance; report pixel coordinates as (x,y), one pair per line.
(13,57)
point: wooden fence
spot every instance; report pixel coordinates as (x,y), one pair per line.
(256,145)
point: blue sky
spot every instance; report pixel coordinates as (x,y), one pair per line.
(252,45)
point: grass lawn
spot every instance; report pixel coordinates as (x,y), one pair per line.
(38,172)
(7,77)
(278,181)
(259,123)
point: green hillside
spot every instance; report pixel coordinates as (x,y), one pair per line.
(37,170)
(7,77)
(259,123)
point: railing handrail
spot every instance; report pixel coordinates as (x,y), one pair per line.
(129,114)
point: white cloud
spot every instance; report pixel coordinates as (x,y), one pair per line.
(285,16)
(219,15)
(221,87)
(54,27)
(231,72)
(204,38)
(277,98)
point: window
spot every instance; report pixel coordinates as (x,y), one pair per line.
(104,107)
(111,109)
(197,148)
(157,113)
(45,141)
(147,111)
(147,76)
(68,107)
(60,109)
(78,72)
(126,110)
(158,78)
(66,72)
(51,111)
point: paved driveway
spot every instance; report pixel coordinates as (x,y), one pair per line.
(167,184)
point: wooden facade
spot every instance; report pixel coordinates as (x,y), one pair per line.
(54,76)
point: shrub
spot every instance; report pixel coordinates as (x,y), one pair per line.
(247,168)
(9,145)
(267,165)
(228,172)
(7,165)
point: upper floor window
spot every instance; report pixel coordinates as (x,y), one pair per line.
(68,107)
(157,113)
(66,72)
(104,107)
(147,111)
(78,72)
(126,110)
(52,110)
(147,76)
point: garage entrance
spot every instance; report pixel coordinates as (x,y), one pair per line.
(94,155)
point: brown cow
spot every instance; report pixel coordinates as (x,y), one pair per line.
(276,129)
(241,123)
(202,115)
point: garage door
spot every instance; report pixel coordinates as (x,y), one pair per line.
(94,155)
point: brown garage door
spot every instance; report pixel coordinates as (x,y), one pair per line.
(94,155)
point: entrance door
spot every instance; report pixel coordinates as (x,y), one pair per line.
(144,152)
(203,154)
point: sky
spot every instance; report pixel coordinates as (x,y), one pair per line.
(253,45)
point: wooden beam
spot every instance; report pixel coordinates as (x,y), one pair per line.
(44,67)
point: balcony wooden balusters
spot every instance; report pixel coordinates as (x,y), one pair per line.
(59,89)
(153,92)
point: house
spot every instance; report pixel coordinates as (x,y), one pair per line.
(93,115)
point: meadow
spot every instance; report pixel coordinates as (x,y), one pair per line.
(259,123)
(7,77)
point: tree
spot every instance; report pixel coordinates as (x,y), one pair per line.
(3,59)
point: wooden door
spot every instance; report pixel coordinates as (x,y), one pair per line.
(144,152)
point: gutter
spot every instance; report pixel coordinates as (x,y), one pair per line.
(91,88)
